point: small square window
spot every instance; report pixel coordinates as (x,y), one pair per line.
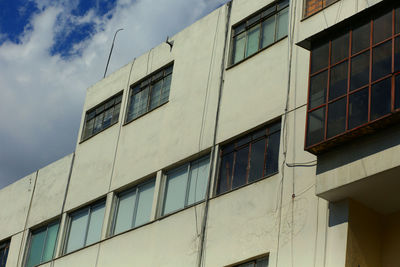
(85,227)
(313,6)
(42,244)
(4,248)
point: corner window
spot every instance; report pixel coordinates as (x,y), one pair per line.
(102,116)
(4,247)
(42,244)
(134,207)
(353,79)
(85,227)
(262,29)
(249,158)
(313,6)
(151,92)
(260,262)
(186,185)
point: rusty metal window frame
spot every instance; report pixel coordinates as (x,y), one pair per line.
(324,4)
(111,106)
(233,147)
(318,146)
(4,248)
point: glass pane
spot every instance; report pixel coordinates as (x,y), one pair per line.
(397,54)
(145,203)
(138,105)
(198,180)
(397,93)
(76,238)
(165,89)
(155,94)
(225,176)
(51,240)
(257,160)
(397,20)
(175,190)
(116,113)
(239,43)
(318,86)
(340,48)
(358,108)
(316,126)
(126,207)
(382,27)
(336,117)
(338,80)
(283,24)
(359,71)
(88,129)
(95,224)
(98,123)
(319,57)
(380,99)
(268,31)
(247,264)
(272,160)
(381,60)
(262,262)
(108,114)
(240,169)
(36,248)
(360,39)
(253,37)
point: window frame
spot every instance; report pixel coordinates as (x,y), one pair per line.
(188,166)
(253,260)
(371,124)
(89,207)
(5,249)
(235,148)
(118,96)
(248,24)
(117,202)
(38,230)
(323,6)
(149,81)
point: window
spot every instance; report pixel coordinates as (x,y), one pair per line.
(4,247)
(102,116)
(249,158)
(42,244)
(261,30)
(85,227)
(260,262)
(134,207)
(354,79)
(186,185)
(151,92)
(313,6)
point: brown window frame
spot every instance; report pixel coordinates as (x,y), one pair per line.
(371,124)
(324,5)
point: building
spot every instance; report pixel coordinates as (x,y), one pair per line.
(266,135)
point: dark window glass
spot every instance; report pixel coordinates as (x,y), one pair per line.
(261,262)
(359,71)
(240,169)
(338,80)
(253,156)
(358,108)
(319,57)
(340,48)
(4,247)
(149,94)
(397,20)
(397,54)
(102,116)
(382,27)
(380,99)
(336,117)
(318,86)
(381,60)
(397,93)
(316,126)
(360,39)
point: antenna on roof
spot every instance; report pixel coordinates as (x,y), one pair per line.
(109,56)
(170,43)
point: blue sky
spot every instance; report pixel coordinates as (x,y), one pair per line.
(52,50)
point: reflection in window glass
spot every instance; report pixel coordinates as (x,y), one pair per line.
(319,57)
(316,126)
(397,20)
(358,108)
(360,39)
(252,40)
(268,36)
(186,185)
(95,224)
(261,262)
(239,44)
(318,86)
(381,60)
(336,118)
(338,80)
(240,168)
(359,71)
(340,48)
(382,27)
(283,24)
(380,99)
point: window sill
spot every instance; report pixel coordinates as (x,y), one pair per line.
(256,53)
(144,114)
(83,140)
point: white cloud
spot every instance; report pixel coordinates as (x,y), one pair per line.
(41,95)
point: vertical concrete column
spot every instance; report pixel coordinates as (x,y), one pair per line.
(61,235)
(214,164)
(108,215)
(158,192)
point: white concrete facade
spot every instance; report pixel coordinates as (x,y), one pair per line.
(287,216)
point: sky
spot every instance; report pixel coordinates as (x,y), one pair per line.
(52,50)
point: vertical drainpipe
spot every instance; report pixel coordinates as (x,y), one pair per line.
(221,85)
